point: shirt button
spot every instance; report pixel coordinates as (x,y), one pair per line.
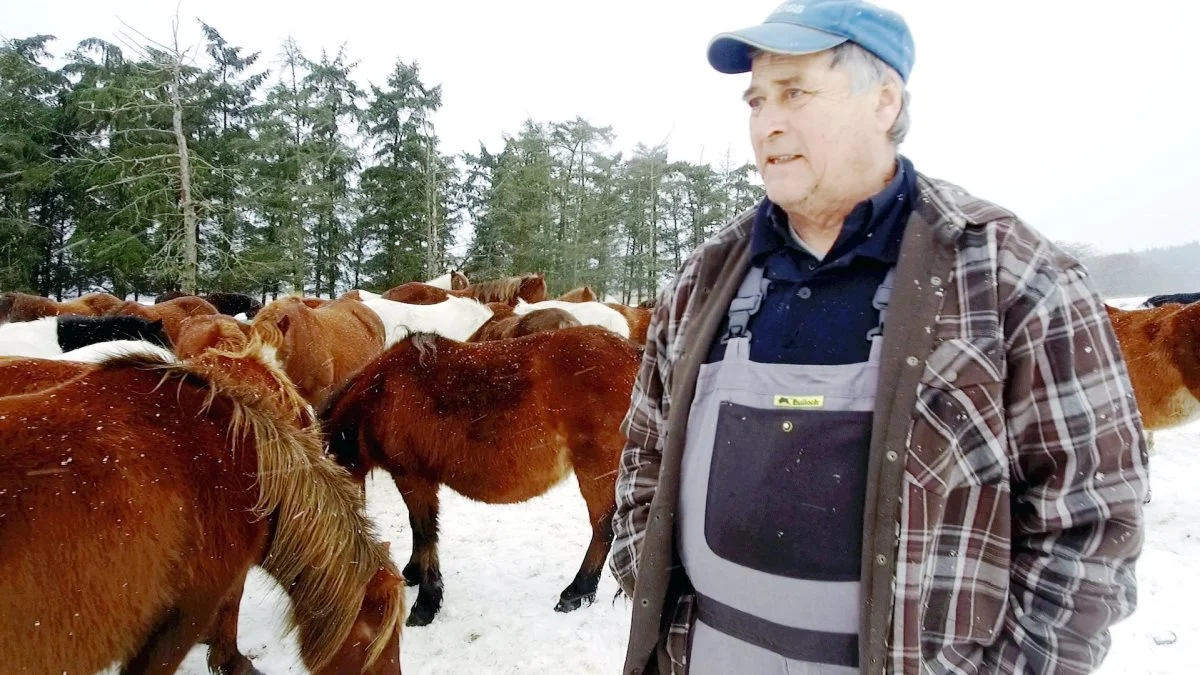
(891,455)
(935,281)
(881,559)
(912,361)
(804,293)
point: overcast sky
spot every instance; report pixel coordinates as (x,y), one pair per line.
(1078,116)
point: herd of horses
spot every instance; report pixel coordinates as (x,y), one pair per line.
(151,455)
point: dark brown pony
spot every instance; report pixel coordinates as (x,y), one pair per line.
(174,493)
(498,422)
(638,318)
(24,307)
(171,313)
(505,323)
(458,281)
(198,334)
(319,348)
(648,304)
(529,287)
(581,294)
(231,304)
(1162,353)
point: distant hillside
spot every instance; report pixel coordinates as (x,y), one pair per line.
(1174,269)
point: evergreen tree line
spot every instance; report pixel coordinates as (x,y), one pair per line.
(136,167)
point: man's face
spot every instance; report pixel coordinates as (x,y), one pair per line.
(813,137)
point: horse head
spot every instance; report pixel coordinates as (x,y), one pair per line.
(373,645)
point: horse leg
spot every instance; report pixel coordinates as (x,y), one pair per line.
(423,568)
(181,627)
(223,655)
(599,494)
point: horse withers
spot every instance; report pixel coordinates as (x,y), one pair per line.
(498,422)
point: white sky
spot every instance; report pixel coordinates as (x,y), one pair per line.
(1078,116)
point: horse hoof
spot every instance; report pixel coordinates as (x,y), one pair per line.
(419,616)
(571,604)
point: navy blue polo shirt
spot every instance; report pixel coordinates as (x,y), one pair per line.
(819,312)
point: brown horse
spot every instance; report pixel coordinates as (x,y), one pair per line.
(528,287)
(498,422)
(505,323)
(175,480)
(581,294)
(458,281)
(319,348)
(638,318)
(1162,353)
(650,303)
(171,313)
(230,304)
(198,334)
(24,376)
(24,307)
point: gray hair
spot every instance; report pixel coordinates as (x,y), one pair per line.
(865,71)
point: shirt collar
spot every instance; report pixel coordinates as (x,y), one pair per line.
(874,227)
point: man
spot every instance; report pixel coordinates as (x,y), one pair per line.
(809,488)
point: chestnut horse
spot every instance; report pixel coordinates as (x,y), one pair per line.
(498,422)
(527,287)
(1162,353)
(319,348)
(581,294)
(175,480)
(588,313)
(638,319)
(505,323)
(171,313)
(198,334)
(24,307)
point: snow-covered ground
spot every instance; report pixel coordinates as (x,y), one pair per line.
(505,565)
(503,568)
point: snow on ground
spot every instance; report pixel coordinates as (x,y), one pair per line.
(504,567)
(1169,570)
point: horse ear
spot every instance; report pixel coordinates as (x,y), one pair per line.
(285,321)
(156,324)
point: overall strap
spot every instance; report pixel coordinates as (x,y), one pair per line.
(883,296)
(748,300)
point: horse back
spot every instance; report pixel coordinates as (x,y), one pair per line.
(417,293)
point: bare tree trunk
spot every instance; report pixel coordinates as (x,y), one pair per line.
(190,265)
(431,194)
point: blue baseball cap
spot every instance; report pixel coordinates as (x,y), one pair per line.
(800,27)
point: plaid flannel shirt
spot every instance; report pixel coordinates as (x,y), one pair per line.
(1019,520)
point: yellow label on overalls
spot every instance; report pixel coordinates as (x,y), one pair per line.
(784,401)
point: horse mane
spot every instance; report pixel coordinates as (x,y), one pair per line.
(325,550)
(505,289)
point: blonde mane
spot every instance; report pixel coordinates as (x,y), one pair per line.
(325,550)
(506,289)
